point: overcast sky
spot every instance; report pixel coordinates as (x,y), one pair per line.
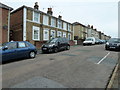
(102,14)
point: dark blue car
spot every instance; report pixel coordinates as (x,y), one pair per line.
(17,49)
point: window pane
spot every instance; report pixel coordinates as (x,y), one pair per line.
(45,20)
(35,36)
(21,45)
(36,32)
(46,34)
(12,45)
(53,22)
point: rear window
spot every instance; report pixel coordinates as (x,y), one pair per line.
(21,45)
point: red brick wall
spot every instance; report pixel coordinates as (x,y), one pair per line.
(4,22)
(17,25)
(38,44)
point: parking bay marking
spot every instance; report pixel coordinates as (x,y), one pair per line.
(103,58)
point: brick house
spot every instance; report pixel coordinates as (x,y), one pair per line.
(80,32)
(37,27)
(4,22)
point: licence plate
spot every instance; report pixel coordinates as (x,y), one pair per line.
(44,48)
(112,47)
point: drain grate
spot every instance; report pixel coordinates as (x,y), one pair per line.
(51,59)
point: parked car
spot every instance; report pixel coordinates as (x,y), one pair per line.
(89,41)
(103,41)
(17,49)
(55,45)
(97,41)
(113,43)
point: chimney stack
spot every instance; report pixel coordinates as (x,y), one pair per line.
(60,17)
(49,11)
(89,26)
(36,6)
(92,26)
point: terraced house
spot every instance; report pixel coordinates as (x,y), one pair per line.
(80,32)
(37,27)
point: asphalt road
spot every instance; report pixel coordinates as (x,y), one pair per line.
(79,67)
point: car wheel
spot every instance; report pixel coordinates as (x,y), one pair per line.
(32,54)
(68,48)
(106,48)
(56,50)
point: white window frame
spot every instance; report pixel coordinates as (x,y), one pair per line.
(64,25)
(59,34)
(59,23)
(53,22)
(69,27)
(45,20)
(44,35)
(52,34)
(64,33)
(34,17)
(37,29)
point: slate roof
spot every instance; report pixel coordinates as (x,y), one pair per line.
(5,6)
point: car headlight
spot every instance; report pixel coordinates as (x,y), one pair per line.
(118,44)
(107,43)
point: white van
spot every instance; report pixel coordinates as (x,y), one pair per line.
(89,41)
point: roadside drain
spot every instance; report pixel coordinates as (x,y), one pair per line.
(51,59)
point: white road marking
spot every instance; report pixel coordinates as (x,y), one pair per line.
(103,58)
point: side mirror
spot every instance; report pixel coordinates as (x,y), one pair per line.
(58,43)
(5,48)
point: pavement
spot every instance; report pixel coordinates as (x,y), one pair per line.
(79,67)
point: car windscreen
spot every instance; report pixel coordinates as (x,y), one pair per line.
(52,40)
(89,39)
(114,40)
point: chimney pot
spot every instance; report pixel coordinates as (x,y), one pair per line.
(49,11)
(60,17)
(36,5)
(92,26)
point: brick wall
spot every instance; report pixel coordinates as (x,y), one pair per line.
(3,23)
(17,25)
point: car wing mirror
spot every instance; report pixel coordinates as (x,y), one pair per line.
(5,48)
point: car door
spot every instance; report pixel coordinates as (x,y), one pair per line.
(60,43)
(10,52)
(23,49)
